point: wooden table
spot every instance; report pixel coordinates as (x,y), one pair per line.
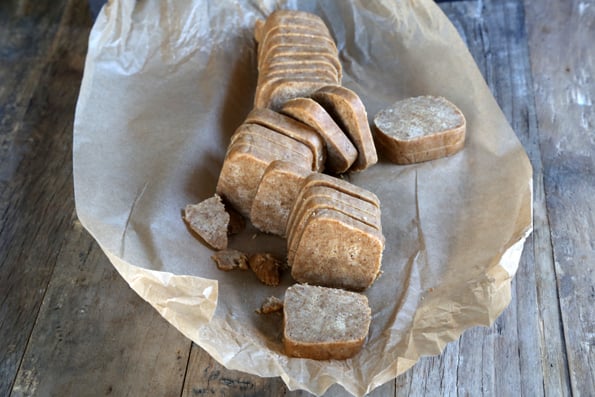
(70,325)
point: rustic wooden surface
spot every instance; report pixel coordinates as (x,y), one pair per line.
(69,324)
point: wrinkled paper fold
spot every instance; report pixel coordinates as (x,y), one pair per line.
(165,86)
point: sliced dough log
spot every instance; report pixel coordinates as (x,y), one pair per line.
(314,197)
(320,70)
(298,43)
(289,58)
(297,31)
(289,34)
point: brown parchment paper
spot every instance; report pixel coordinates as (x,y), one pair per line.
(165,85)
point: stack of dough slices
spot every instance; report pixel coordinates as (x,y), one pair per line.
(334,234)
(254,146)
(296,56)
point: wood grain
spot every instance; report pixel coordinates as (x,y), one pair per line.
(206,377)
(35,202)
(561,46)
(93,334)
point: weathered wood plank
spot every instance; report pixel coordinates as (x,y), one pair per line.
(506,358)
(33,148)
(95,336)
(27,37)
(206,377)
(563,64)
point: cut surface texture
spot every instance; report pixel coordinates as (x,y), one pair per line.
(324,323)
(420,129)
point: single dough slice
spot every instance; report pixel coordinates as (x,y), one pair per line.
(370,213)
(293,129)
(324,323)
(276,194)
(420,129)
(280,17)
(318,179)
(347,109)
(269,139)
(336,250)
(320,70)
(275,91)
(209,220)
(340,151)
(324,60)
(275,150)
(242,169)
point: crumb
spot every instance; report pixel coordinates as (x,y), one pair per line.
(209,220)
(230,259)
(271,304)
(266,267)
